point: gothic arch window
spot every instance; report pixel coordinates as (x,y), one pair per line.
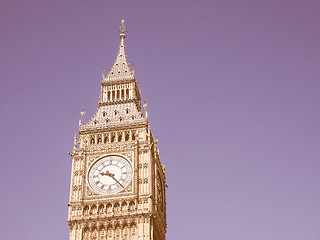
(104,113)
(119,137)
(115,112)
(124,206)
(122,93)
(107,120)
(109,95)
(132,117)
(86,210)
(127,111)
(94,209)
(121,118)
(117,207)
(106,138)
(132,206)
(113,137)
(126,138)
(99,139)
(92,140)
(127,93)
(101,209)
(118,94)
(109,208)
(133,137)
(113,95)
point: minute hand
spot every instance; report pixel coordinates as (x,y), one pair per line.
(111,175)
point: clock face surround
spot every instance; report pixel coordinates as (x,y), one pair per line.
(110,174)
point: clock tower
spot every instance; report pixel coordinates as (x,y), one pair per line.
(117,188)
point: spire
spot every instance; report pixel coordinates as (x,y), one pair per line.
(121,69)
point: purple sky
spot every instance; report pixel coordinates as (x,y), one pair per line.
(233,91)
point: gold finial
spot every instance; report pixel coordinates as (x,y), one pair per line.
(122,29)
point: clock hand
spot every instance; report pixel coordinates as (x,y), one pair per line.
(109,174)
(112,176)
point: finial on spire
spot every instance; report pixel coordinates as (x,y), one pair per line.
(104,71)
(82,114)
(75,141)
(122,30)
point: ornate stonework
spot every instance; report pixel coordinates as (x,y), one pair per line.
(118,128)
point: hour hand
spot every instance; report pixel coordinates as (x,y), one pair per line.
(107,173)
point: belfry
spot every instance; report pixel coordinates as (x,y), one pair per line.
(117,188)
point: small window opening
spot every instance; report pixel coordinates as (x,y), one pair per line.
(133,137)
(113,137)
(126,137)
(106,138)
(119,137)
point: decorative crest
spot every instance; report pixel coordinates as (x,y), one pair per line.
(122,29)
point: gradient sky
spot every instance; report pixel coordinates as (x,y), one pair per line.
(233,91)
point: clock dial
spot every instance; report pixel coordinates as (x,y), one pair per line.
(110,175)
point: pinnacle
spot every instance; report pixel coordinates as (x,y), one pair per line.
(121,69)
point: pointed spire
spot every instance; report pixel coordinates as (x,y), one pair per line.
(121,69)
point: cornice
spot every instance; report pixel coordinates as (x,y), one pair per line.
(136,101)
(112,127)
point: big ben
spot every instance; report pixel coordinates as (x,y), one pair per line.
(117,188)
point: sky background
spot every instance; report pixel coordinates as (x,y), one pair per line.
(233,91)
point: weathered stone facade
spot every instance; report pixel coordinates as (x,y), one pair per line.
(118,128)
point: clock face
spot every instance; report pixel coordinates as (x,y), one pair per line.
(110,175)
